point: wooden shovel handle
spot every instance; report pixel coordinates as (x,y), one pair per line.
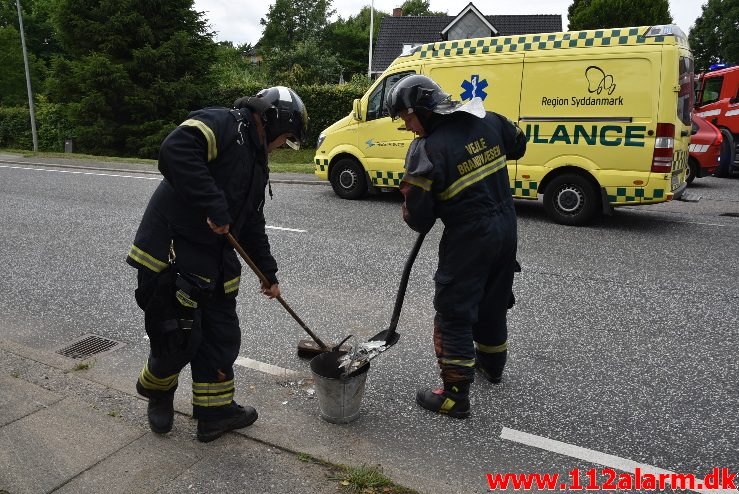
(235,244)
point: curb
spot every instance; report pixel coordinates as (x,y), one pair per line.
(146,172)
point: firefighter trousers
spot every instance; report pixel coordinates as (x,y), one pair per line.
(210,343)
(473,292)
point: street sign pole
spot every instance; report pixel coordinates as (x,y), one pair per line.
(371,35)
(28,78)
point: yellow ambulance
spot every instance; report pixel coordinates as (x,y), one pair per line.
(607,115)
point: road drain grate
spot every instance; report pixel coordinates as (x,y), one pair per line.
(88,346)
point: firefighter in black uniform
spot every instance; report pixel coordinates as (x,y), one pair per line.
(215,174)
(455,170)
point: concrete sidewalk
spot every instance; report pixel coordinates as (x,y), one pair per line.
(60,432)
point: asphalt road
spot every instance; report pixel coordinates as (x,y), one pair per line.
(623,343)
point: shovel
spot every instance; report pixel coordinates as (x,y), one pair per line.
(306,348)
(389,336)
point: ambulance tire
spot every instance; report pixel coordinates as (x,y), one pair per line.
(727,155)
(348,179)
(571,199)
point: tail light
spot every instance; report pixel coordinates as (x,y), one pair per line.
(719,137)
(664,147)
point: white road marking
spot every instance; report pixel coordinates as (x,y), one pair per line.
(266,368)
(79,173)
(696,223)
(286,229)
(592,456)
(125,176)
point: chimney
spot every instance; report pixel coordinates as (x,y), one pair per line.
(397,12)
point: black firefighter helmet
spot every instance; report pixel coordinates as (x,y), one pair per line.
(414,93)
(282,112)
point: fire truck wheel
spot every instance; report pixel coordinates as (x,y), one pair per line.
(727,155)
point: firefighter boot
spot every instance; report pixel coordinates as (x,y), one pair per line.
(491,365)
(452,400)
(160,410)
(235,417)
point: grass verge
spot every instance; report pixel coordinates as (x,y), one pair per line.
(280,160)
(359,480)
(75,156)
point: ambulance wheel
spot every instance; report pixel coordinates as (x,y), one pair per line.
(692,171)
(348,179)
(727,155)
(571,199)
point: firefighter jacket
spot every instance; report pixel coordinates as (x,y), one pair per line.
(458,171)
(214,166)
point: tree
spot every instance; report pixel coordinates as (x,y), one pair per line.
(715,35)
(290,21)
(40,44)
(13,76)
(418,7)
(134,70)
(232,66)
(37,22)
(598,14)
(292,43)
(306,63)
(349,39)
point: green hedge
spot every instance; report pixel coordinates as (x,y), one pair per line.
(325,104)
(51,127)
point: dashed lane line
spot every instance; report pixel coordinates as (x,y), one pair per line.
(596,457)
(286,229)
(264,367)
(282,228)
(74,172)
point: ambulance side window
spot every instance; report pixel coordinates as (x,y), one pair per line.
(376,101)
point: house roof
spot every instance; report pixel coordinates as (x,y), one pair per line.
(470,7)
(397,31)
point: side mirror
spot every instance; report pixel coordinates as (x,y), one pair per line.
(357,110)
(734,101)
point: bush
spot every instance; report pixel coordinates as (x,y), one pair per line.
(51,127)
(15,128)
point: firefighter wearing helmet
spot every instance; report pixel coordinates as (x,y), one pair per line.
(215,174)
(455,170)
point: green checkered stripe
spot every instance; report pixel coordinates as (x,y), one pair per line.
(507,44)
(390,179)
(622,195)
(321,165)
(525,188)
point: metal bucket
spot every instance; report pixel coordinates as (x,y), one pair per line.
(339,397)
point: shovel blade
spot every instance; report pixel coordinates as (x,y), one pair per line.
(382,336)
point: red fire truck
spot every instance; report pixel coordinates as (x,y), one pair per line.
(718,102)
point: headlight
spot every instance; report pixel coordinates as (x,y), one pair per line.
(321,138)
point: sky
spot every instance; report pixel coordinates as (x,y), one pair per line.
(238,20)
